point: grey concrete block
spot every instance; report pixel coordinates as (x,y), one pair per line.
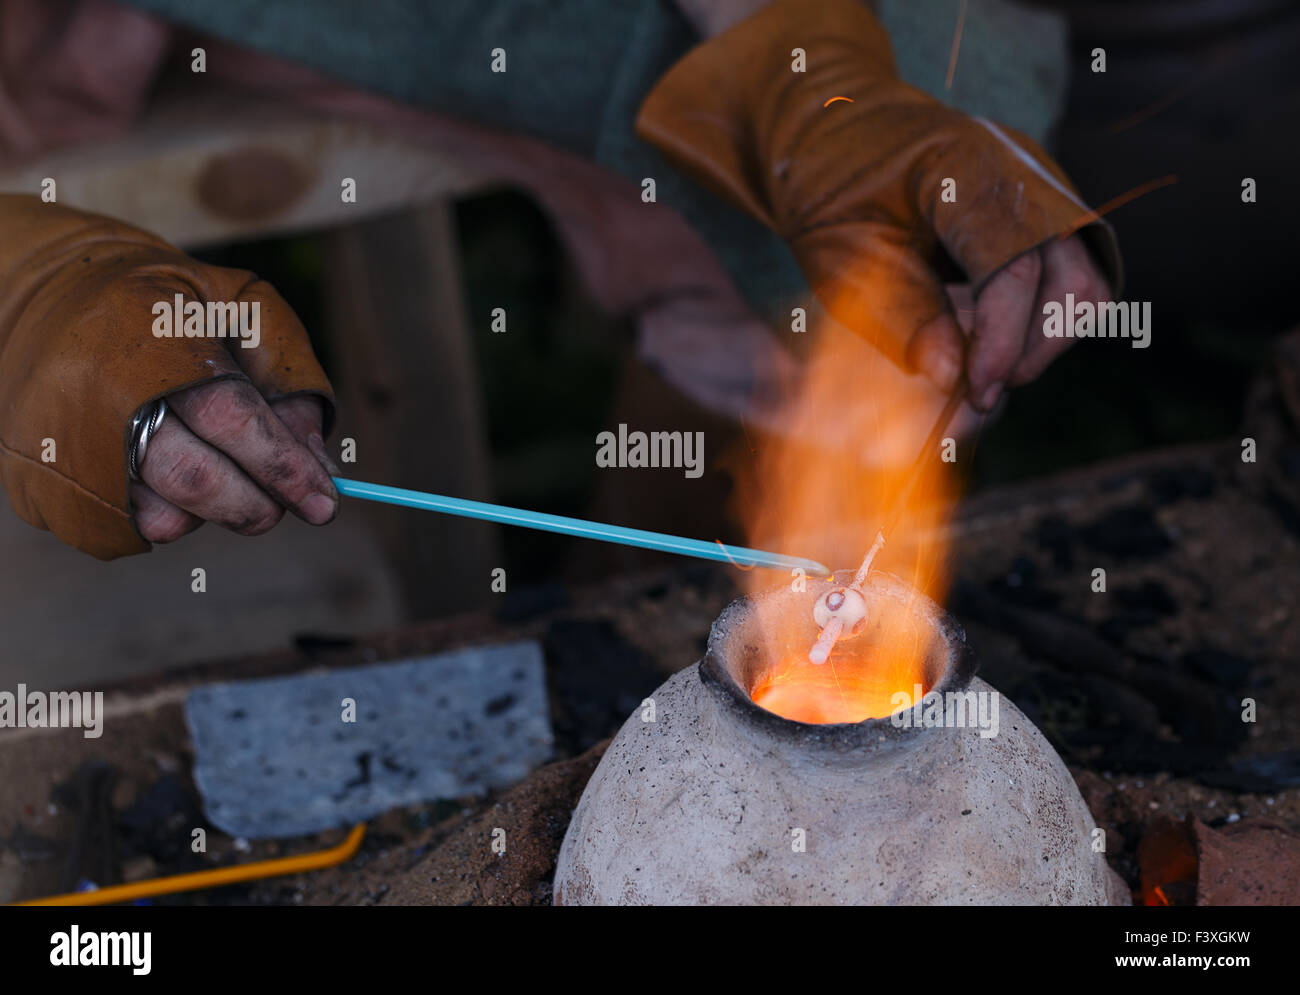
(275,757)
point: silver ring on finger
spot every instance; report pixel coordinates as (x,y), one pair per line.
(143,426)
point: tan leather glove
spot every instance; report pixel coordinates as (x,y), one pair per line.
(856,188)
(78,357)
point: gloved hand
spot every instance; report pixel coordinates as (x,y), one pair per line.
(856,189)
(78,357)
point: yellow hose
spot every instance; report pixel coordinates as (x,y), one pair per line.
(211,879)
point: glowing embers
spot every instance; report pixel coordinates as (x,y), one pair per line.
(846,690)
(889,654)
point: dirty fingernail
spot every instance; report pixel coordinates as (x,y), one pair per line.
(318,509)
(990,396)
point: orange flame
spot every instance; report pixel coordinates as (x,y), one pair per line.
(854,425)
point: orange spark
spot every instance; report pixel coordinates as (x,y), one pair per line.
(833,99)
(1218,62)
(1120,201)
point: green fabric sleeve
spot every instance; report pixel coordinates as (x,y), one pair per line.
(577,70)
